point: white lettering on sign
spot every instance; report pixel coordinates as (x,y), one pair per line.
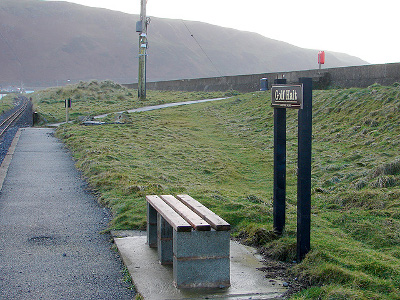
(288,96)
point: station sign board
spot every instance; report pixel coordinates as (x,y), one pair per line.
(287,96)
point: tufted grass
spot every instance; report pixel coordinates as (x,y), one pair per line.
(222,154)
(101,97)
(7,102)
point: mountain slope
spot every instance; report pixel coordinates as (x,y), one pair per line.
(47,43)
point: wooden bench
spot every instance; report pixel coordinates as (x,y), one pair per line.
(192,238)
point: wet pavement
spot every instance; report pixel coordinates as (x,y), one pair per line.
(51,246)
(155,282)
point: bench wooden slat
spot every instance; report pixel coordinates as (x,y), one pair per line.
(185,212)
(173,218)
(213,219)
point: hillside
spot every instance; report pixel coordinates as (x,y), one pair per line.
(45,43)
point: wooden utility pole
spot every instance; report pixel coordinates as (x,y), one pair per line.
(142,51)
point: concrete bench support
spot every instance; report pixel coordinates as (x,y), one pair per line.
(151,226)
(201,259)
(191,237)
(164,237)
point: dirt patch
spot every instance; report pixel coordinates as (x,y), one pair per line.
(281,271)
(273,269)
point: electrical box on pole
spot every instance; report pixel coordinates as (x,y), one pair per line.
(139,26)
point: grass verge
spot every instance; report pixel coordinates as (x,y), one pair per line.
(101,97)
(7,103)
(222,154)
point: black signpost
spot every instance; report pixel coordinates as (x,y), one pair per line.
(298,96)
(304,171)
(279,210)
(68,105)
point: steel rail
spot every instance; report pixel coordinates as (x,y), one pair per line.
(14,116)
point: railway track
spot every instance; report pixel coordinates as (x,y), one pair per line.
(8,121)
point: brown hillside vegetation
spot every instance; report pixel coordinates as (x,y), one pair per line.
(48,43)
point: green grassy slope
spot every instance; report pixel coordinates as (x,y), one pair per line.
(101,97)
(222,154)
(7,102)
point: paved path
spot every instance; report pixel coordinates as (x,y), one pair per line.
(50,246)
(160,106)
(148,108)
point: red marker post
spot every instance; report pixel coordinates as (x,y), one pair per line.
(321,58)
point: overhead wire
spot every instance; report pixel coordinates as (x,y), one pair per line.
(205,53)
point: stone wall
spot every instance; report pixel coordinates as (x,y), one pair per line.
(345,77)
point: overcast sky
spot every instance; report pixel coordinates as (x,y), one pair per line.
(356,27)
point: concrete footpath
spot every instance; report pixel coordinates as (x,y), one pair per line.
(51,246)
(50,241)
